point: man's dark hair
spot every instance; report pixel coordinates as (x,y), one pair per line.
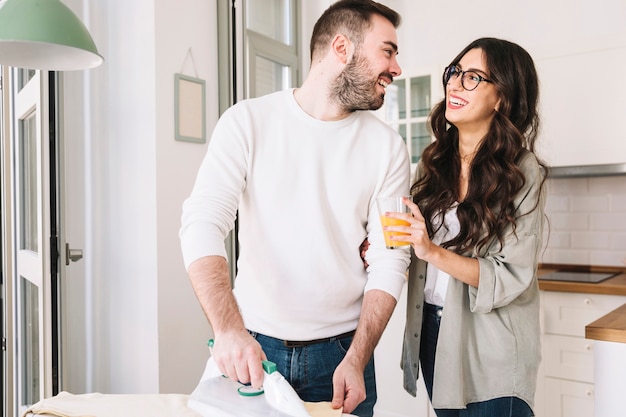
(350,17)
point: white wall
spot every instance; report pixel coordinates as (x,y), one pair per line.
(183,328)
(135,325)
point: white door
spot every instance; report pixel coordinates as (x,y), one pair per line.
(31,276)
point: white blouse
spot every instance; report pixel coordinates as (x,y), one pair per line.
(437,280)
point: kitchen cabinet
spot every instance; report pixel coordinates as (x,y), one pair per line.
(566,385)
(609,336)
(408,103)
(568,398)
(610,360)
(581,113)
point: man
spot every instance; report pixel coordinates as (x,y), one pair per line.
(302,168)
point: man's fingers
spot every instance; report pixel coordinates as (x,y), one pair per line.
(346,398)
(256,372)
(338,395)
(239,358)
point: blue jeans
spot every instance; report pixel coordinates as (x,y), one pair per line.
(500,407)
(309,369)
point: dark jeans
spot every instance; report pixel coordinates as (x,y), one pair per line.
(309,369)
(498,407)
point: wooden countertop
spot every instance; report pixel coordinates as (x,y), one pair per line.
(609,328)
(613,286)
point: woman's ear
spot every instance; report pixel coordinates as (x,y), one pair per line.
(342,48)
(497,106)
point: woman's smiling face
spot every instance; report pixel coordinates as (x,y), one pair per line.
(471,110)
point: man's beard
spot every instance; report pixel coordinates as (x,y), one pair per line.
(354,89)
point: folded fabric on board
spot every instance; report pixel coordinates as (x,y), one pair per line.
(113,405)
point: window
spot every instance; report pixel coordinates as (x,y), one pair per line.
(271,46)
(408,103)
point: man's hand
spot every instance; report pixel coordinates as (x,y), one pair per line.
(239,357)
(348,386)
(348,380)
(236,352)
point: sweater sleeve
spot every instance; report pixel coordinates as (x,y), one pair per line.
(209,212)
(507,271)
(388,267)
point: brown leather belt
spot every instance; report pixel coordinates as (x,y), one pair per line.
(295,343)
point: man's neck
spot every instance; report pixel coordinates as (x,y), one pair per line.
(318,105)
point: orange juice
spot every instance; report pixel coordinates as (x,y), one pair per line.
(388,221)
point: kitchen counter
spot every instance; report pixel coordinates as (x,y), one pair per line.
(612,326)
(597,368)
(613,286)
(609,328)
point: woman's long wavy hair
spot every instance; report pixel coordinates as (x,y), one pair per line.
(488,209)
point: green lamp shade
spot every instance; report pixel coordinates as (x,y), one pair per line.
(44,35)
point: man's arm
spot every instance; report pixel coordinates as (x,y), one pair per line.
(237,354)
(348,382)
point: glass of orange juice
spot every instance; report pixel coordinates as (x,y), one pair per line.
(392,205)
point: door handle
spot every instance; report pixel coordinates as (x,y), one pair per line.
(73,255)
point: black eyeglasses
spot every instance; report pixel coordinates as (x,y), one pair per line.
(469,79)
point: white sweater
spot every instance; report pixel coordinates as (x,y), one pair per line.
(305,190)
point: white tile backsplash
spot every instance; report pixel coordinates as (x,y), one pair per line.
(606,221)
(617,201)
(589,203)
(608,185)
(586,221)
(565,221)
(591,240)
(618,242)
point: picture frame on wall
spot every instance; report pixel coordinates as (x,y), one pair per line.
(189,108)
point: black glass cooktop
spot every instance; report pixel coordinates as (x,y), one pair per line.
(589,277)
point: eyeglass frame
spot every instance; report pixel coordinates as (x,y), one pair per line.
(461,73)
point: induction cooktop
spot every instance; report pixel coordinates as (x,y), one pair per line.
(588,277)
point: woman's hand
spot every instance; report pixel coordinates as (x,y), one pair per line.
(362,250)
(415,233)
(463,268)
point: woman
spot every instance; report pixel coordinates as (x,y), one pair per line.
(475,230)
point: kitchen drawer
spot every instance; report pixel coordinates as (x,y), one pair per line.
(568,399)
(568,357)
(569,313)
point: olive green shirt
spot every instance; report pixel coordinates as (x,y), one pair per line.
(488,344)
